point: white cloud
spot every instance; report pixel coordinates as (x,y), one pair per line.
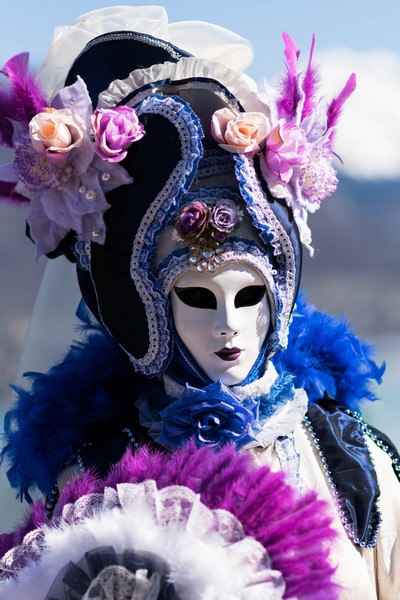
(368,139)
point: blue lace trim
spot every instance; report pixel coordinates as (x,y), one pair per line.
(236,250)
(273,234)
(216,163)
(157,216)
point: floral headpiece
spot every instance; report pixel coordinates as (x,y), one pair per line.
(240,167)
(206,228)
(65,156)
(295,143)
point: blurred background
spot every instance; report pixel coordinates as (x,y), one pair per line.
(356,268)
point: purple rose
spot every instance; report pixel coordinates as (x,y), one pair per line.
(225,216)
(114,130)
(213,416)
(192,220)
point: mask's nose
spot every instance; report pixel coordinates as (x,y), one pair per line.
(226,320)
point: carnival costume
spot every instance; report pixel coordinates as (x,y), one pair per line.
(157,170)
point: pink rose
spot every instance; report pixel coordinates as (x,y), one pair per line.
(56,132)
(115,129)
(286,147)
(241,132)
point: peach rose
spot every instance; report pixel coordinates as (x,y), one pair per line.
(241,132)
(56,132)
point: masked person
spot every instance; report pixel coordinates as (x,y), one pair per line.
(182,194)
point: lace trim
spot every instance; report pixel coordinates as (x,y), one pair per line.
(253,390)
(215,164)
(82,251)
(235,251)
(204,546)
(187,68)
(273,232)
(155,219)
(31,549)
(129,35)
(283,421)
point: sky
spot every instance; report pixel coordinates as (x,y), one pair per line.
(357,35)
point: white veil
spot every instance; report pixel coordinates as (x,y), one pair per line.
(53,324)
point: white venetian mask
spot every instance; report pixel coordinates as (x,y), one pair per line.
(222,318)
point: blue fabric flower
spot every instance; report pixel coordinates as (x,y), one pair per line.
(213,416)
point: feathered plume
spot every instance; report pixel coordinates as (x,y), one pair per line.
(21,100)
(335,107)
(295,530)
(290,94)
(309,84)
(25,98)
(6,128)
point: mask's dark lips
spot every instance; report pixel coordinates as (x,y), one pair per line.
(229,353)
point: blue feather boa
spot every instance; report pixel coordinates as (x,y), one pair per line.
(94,388)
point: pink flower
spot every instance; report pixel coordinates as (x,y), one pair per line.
(115,129)
(241,132)
(56,132)
(286,147)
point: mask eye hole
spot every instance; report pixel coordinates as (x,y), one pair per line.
(197,297)
(249,296)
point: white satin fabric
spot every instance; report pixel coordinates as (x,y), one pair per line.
(364,574)
(199,38)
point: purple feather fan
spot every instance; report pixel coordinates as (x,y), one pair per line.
(294,529)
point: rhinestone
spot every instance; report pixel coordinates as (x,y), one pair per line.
(106,177)
(95,234)
(212,267)
(202,266)
(207,254)
(91,195)
(193,260)
(220,260)
(82,189)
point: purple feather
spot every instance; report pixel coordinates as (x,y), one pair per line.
(26,95)
(294,529)
(309,85)
(290,95)
(335,107)
(35,517)
(6,108)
